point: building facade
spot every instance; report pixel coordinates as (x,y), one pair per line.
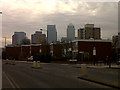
(64,39)
(70,32)
(56,51)
(89,31)
(92,50)
(18,37)
(51,33)
(80,33)
(115,40)
(38,38)
(24,51)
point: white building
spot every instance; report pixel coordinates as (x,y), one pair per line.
(18,37)
(51,33)
(71,32)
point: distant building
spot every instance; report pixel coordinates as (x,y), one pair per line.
(18,37)
(81,34)
(51,33)
(115,40)
(64,39)
(70,32)
(116,45)
(38,38)
(89,31)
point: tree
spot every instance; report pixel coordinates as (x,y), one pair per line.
(25,41)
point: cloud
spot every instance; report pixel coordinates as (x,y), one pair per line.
(31,16)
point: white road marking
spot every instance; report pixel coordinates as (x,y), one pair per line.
(9,80)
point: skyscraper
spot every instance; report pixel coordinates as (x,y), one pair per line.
(89,31)
(38,38)
(51,33)
(70,32)
(18,37)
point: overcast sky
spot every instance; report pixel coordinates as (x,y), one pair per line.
(27,16)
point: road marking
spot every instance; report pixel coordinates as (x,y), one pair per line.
(11,81)
(94,83)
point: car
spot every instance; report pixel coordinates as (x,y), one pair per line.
(30,58)
(118,62)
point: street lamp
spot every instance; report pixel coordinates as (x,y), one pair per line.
(94,53)
(5,41)
(94,48)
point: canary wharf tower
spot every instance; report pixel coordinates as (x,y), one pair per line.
(70,32)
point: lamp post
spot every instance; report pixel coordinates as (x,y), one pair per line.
(94,48)
(94,53)
(5,41)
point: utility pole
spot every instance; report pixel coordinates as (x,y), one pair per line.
(94,48)
(5,41)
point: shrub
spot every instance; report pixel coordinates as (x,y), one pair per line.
(42,57)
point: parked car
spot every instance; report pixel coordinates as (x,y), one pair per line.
(118,62)
(30,58)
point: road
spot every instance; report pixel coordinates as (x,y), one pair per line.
(50,75)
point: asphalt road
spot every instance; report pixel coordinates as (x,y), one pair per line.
(50,75)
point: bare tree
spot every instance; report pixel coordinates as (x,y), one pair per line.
(25,41)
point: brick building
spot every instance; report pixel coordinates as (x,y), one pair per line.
(56,51)
(25,51)
(13,52)
(92,49)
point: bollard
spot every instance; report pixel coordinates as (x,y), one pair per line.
(34,64)
(84,69)
(38,64)
(14,62)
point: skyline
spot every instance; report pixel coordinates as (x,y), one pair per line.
(31,16)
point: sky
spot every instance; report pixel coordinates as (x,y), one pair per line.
(31,15)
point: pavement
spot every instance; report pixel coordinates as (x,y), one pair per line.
(112,79)
(53,75)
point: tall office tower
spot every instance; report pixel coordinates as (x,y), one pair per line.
(18,37)
(51,33)
(89,31)
(70,32)
(81,33)
(38,38)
